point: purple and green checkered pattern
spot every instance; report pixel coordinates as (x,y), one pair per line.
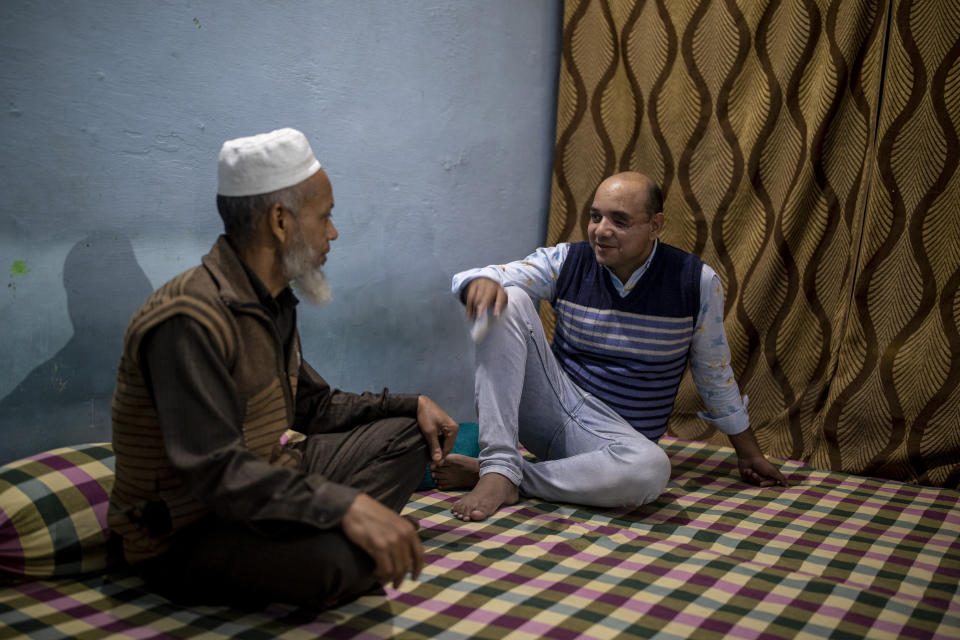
(53,512)
(833,556)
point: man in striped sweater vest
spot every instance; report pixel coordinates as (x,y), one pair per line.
(631,313)
(241,477)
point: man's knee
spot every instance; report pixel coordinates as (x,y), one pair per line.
(404,441)
(521,312)
(337,455)
(402,433)
(518,300)
(641,472)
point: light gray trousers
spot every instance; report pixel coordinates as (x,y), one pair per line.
(587,454)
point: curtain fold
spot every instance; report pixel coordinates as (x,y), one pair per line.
(808,152)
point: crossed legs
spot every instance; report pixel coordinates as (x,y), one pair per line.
(217,561)
(587,453)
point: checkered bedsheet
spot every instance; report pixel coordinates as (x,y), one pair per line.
(834,556)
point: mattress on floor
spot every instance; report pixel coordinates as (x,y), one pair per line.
(833,555)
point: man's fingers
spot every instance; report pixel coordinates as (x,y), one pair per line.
(472,303)
(409,555)
(771,473)
(400,566)
(481,302)
(766,477)
(439,430)
(754,477)
(433,443)
(479,308)
(481,294)
(449,437)
(501,301)
(384,571)
(475,298)
(418,561)
(393,563)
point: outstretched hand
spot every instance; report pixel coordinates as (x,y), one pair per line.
(390,540)
(439,429)
(761,472)
(754,466)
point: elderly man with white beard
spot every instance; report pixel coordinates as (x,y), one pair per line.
(241,477)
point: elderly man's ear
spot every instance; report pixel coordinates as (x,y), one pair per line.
(280,223)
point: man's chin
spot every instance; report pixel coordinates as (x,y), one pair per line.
(314,288)
(601,257)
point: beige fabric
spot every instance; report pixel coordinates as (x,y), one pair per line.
(808,152)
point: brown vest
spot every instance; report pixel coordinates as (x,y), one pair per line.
(149,504)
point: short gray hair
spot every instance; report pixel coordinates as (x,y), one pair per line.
(654,200)
(241,214)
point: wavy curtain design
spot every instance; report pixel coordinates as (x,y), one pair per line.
(808,152)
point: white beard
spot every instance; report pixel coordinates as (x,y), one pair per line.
(300,265)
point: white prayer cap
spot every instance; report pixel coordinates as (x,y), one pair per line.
(264,163)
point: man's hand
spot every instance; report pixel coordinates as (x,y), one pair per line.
(439,429)
(481,294)
(390,540)
(761,472)
(754,466)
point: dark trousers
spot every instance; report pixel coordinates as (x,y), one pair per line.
(216,561)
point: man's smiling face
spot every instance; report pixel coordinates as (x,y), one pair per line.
(621,229)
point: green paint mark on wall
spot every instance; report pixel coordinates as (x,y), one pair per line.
(19,268)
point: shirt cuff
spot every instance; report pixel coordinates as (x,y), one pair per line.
(732,424)
(331,501)
(403,404)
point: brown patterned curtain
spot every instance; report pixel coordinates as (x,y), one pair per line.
(808,152)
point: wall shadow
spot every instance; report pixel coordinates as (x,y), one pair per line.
(66,400)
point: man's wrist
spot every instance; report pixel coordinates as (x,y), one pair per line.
(745,443)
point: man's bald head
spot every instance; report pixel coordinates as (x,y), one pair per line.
(637,189)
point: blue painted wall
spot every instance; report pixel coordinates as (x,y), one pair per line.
(434,120)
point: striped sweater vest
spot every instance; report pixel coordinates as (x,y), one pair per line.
(148,503)
(628,351)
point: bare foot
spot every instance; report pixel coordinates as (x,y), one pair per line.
(457,472)
(492,492)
